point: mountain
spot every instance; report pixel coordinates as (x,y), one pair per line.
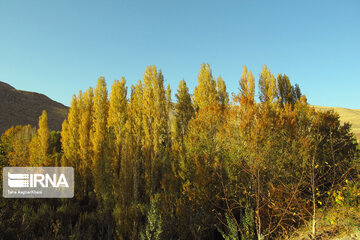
(346,115)
(19,107)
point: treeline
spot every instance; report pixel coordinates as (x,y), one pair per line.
(199,167)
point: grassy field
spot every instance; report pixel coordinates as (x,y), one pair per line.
(347,115)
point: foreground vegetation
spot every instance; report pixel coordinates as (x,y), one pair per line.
(340,220)
(200,168)
(346,115)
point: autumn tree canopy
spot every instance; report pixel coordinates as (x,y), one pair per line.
(202,166)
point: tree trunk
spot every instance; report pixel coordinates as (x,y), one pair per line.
(313,195)
(257,195)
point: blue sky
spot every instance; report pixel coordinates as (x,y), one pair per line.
(60,47)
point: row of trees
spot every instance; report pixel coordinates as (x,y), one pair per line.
(198,168)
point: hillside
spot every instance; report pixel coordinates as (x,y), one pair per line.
(347,115)
(21,108)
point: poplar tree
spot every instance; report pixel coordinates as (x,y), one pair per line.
(169,109)
(131,182)
(222,94)
(65,143)
(161,133)
(85,145)
(297,92)
(39,145)
(285,92)
(44,137)
(70,141)
(205,92)
(247,87)
(267,86)
(155,125)
(117,118)
(35,159)
(168,99)
(74,121)
(70,135)
(119,158)
(135,134)
(184,111)
(44,133)
(98,133)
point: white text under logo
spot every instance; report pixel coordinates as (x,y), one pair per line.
(38,182)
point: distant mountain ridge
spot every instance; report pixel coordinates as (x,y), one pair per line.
(19,107)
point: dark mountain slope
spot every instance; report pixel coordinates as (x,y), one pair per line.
(21,108)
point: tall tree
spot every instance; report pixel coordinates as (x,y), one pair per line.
(39,145)
(74,121)
(267,86)
(98,134)
(44,133)
(85,145)
(117,117)
(117,158)
(184,112)
(155,125)
(65,142)
(297,92)
(70,134)
(168,99)
(205,92)
(169,109)
(247,87)
(285,92)
(134,138)
(222,94)
(131,190)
